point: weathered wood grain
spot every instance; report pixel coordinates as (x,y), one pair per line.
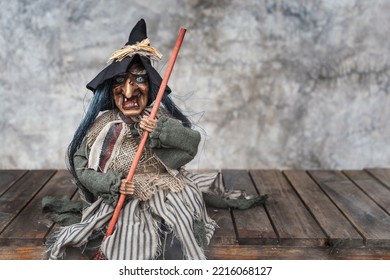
(256,252)
(19,195)
(293,222)
(225,233)
(22,252)
(253,225)
(31,225)
(368,218)
(373,188)
(8,178)
(382,174)
(338,229)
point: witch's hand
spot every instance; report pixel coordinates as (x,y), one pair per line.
(147,123)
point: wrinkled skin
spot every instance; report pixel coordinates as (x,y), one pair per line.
(130,91)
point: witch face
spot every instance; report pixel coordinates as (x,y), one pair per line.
(130,90)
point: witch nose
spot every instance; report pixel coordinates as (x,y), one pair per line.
(129,88)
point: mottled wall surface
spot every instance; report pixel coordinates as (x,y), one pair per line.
(270,84)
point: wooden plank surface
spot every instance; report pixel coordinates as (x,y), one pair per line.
(253,225)
(373,188)
(339,230)
(31,226)
(292,221)
(19,195)
(360,253)
(225,233)
(258,252)
(22,252)
(368,218)
(304,211)
(8,178)
(382,174)
(247,252)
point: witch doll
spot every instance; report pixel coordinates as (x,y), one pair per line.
(164,215)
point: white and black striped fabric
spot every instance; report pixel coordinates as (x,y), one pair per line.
(136,234)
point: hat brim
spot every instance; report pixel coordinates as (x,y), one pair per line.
(119,67)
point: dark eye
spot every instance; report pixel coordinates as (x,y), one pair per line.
(119,79)
(141,79)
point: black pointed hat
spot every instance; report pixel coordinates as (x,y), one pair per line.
(136,49)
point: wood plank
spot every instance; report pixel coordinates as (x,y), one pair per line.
(259,252)
(245,252)
(337,228)
(371,186)
(292,221)
(368,218)
(8,178)
(225,233)
(382,174)
(20,194)
(253,225)
(361,253)
(22,253)
(31,226)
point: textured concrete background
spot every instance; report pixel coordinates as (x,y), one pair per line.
(270,84)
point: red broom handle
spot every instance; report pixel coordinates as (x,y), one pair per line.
(145,134)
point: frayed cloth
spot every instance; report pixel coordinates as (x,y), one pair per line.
(136,234)
(215,195)
(216,201)
(65,212)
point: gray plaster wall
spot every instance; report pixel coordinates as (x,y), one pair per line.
(269,84)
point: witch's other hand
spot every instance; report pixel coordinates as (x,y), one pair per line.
(126,187)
